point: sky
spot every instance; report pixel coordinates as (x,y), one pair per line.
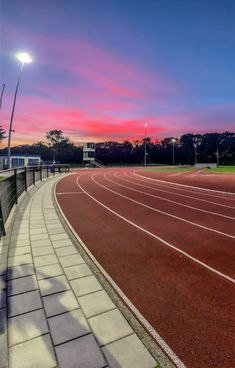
(102,69)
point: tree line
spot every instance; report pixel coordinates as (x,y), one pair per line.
(206,148)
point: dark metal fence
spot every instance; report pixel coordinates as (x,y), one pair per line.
(16,181)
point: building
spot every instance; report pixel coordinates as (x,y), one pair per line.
(88,153)
(18,160)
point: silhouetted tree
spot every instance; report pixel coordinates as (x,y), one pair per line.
(2,134)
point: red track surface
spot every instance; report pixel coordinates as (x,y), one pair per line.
(190,304)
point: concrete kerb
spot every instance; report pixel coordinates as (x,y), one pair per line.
(4,253)
(5,242)
(149,337)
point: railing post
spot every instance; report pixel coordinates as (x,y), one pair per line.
(33,175)
(15,184)
(25,179)
(41,172)
(2,227)
(47,172)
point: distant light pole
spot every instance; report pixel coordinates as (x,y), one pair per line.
(217,155)
(196,156)
(145,147)
(173,150)
(24,58)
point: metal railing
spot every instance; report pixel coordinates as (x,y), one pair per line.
(16,181)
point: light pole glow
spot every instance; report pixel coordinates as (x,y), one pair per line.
(173,147)
(145,147)
(23,58)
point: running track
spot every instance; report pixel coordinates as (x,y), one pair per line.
(170,248)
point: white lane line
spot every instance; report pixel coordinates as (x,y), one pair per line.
(157,237)
(163,345)
(63,193)
(190,186)
(165,199)
(178,194)
(162,212)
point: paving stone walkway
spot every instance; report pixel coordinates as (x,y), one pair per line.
(53,310)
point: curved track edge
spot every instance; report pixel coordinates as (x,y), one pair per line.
(147,334)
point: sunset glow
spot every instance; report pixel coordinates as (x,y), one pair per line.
(100,80)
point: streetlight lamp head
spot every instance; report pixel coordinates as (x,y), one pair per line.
(24,57)
(173,140)
(145,125)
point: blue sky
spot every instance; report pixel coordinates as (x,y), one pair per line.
(102,68)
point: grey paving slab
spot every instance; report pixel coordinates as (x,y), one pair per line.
(60,303)
(80,353)
(49,271)
(19,260)
(40,231)
(66,251)
(36,226)
(136,355)
(68,326)
(20,237)
(20,271)
(62,236)
(36,353)
(26,326)
(71,260)
(85,285)
(20,243)
(3,296)
(58,230)
(74,272)
(110,326)
(96,303)
(3,339)
(56,225)
(42,251)
(22,285)
(61,243)
(19,250)
(45,260)
(23,303)
(53,285)
(40,243)
(39,237)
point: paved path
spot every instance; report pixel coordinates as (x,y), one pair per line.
(53,310)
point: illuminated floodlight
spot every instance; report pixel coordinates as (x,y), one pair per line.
(24,57)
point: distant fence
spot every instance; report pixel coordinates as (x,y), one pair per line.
(16,181)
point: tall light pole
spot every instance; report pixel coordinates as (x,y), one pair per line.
(173,150)
(145,147)
(3,87)
(23,58)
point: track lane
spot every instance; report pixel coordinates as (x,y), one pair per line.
(183,186)
(190,293)
(190,239)
(182,198)
(165,203)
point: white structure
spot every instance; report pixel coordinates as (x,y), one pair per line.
(204,165)
(19,161)
(88,152)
